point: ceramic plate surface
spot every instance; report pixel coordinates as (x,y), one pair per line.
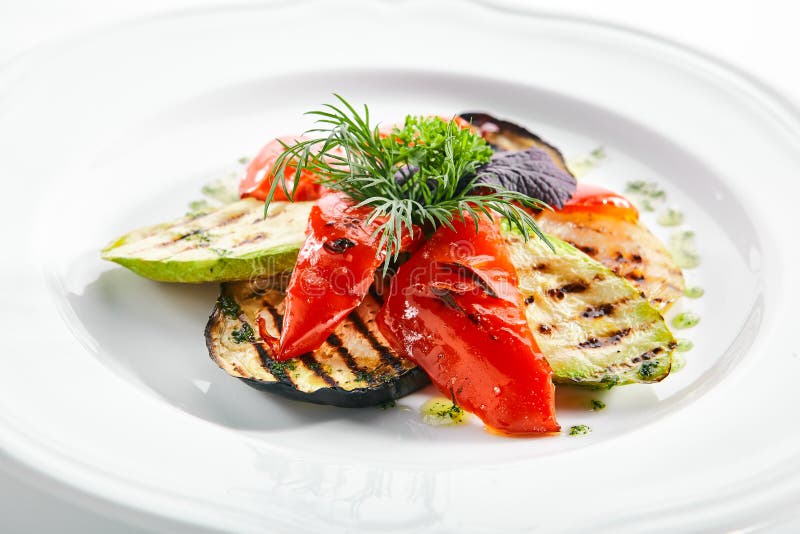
(108,393)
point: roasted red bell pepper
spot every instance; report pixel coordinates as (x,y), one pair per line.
(455,310)
(596,199)
(260,175)
(334,271)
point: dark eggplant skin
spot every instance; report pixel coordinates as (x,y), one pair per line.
(396,388)
(505,135)
(355,354)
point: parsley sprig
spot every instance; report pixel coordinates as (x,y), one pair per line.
(421,173)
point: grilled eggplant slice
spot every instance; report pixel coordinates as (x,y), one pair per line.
(234,242)
(627,248)
(593,327)
(505,135)
(355,367)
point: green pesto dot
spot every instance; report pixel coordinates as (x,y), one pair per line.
(685,320)
(694,292)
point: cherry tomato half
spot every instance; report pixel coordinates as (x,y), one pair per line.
(599,200)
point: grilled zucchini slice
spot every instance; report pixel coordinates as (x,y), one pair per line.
(234,242)
(355,367)
(594,327)
(627,248)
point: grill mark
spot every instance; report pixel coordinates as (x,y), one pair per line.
(545,329)
(574,287)
(336,342)
(276,369)
(256,238)
(650,354)
(179,237)
(594,312)
(529,300)
(385,353)
(277,318)
(316,367)
(586,249)
(604,341)
(636,275)
(560,292)
(231,219)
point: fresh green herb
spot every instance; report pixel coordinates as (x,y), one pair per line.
(363,376)
(244,160)
(243,334)
(421,173)
(284,366)
(685,320)
(694,292)
(598,405)
(608,382)
(579,430)
(684,345)
(229,307)
(648,369)
(221,252)
(200,236)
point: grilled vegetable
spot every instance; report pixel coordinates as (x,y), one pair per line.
(505,135)
(594,199)
(334,271)
(354,367)
(626,247)
(614,237)
(235,242)
(457,312)
(594,327)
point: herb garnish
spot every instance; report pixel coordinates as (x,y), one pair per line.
(579,430)
(244,334)
(425,172)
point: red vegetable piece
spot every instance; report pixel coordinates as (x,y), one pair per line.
(596,199)
(259,175)
(334,271)
(455,310)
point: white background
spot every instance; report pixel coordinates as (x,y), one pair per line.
(761,37)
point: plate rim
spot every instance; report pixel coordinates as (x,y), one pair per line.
(782,110)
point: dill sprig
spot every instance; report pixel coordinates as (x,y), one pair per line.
(421,173)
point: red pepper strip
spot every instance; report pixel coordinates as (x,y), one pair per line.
(334,270)
(259,175)
(455,310)
(596,199)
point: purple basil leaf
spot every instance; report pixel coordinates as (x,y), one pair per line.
(531,172)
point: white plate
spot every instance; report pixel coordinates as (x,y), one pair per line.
(108,393)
